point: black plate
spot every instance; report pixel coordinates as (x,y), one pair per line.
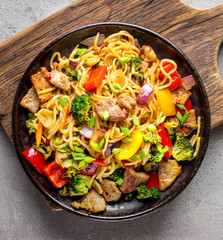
(164,49)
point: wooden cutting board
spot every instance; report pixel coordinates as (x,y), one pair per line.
(198,33)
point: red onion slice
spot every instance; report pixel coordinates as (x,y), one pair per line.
(109,149)
(144,94)
(188,82)
(86,132)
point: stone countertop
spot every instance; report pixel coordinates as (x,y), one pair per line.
(197,213)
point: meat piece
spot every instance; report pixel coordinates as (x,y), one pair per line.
(41,83)
(116,113)
(168,171)
(147,54)
(190,124)
(132,180)
(31,101)
(59,156)
(110,191)
(98,135)
(180,95)
(126,102)
(92,201)
(59,80)
(144,66)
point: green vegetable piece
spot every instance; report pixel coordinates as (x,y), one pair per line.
(158,152)
(120,181)
(45,150)
(29,123)
(125,130)
(57,140)
(79,74)
(116,86)
(71,171)
(117,175)
(142,154)
(80,108)
(78,149)
(141,77)
(182,149)
(116,150)
(102,142)
(160,119)
(82,164)
(67,163)
(81,52)
(95,146)
(106,87)
(136,63)
(106,115)
(152,136)
(89,159)
(91,123)
(70,72)
(181,106)
(126,59)
(63,101)
(144,193)
(64,193)
(135,157)
(127,140)
(118,63)
(63,150)
(136,121)
(79,185)
(78,156)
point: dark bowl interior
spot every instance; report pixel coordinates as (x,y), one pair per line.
(164,49)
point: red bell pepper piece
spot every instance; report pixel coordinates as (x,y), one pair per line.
(176,79)
(54,172)
(96,77)
(100,163)
(188,106)
(90,170)
(35,158)
(165,139)
(153,180)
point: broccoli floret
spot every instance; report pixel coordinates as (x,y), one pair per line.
(71,171)
(79,185)
(117,176)
(136,63)
(182,149)
(170,125)
(141,77)
(144,193)
(45,150)
(70,72)
(65,192)
(29,123)
(158,152)
(152,136)
(80,108)
(173,138)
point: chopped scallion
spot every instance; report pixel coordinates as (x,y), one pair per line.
(63,101)
(102,142)
(82,164)
(106,87)
(78,149)
(125,130)
(135,157)
(81,52)
(160,119)
(57,140)
(136,121)
(120,181)
(118,63)
(89,159)
(91,123)
(116,86)
(95,146)
(142,154)
(126,59)
(116,150)
(127,140)
(106,115)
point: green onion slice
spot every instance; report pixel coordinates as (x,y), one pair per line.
(81,52)
(118,63)
(116,150)
(136,121)
(126,59)
(63,101)
(127,140)
(116,86)
(91,123)
(125,130)
(106,87)
(95,146)
(106,115)
(142,154)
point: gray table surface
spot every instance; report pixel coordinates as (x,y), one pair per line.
(197,213)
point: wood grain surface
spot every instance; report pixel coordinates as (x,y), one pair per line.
(198,33)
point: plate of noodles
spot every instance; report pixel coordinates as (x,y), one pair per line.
(111,121)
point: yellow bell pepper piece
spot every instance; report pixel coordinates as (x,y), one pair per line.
(129,149)
(165,100)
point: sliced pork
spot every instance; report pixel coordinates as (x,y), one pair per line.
(132,180)
(168,172)
(180,95)
(111,105)
(31,101)
(126,102)
(40,83)
(92,202)
(59,80)
(110,191)
(190,124)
